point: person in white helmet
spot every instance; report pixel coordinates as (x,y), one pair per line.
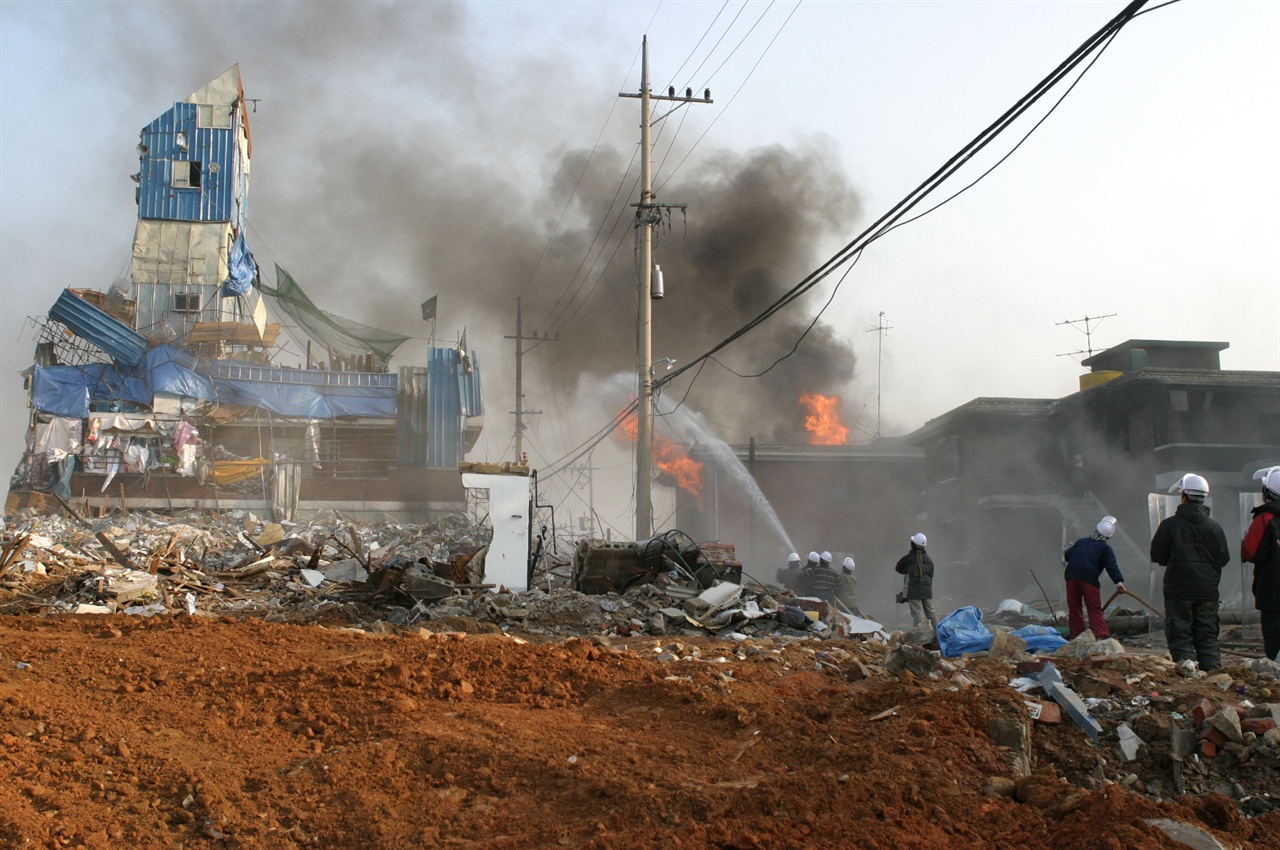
(1085,560)
(847,588)
(1194,549)
(1261,547)
(822,579)
(791,576)
(917,566)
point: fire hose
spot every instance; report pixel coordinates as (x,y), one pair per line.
(1120,590)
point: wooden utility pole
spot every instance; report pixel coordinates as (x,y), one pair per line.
(520,412)
(648,213)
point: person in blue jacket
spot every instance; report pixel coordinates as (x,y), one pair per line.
(1085,560)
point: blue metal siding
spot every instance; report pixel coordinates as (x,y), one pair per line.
(102,329)
(215,199)
(444,410)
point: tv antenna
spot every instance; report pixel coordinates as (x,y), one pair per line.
(881,328)
(1087,331)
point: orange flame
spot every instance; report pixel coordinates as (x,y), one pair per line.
(670,457)
(823,420)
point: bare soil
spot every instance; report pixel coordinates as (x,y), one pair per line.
(194,732)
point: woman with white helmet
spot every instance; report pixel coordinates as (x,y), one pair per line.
(917,566)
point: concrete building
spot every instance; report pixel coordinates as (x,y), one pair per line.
(1000,485)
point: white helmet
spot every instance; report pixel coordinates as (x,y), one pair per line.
(793,558)
(848,565)
(1107,527)
(826,556)
(813,557)
(1270,478)
(1192,485)
(919,539)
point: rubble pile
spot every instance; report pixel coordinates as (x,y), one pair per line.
(330,569)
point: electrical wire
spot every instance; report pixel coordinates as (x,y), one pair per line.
(932,183)
(732,98)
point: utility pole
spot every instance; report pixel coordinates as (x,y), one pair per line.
(1088,332)
(591,496)
(520,412)
(881,328)
(648,213)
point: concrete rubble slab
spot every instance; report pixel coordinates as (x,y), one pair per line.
(1069,700)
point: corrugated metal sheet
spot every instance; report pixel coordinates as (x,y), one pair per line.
(453,393)
(217,151)
(113,336)
(412,416)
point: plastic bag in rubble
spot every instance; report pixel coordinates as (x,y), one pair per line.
(1041,638)
(793,617)
(962,631)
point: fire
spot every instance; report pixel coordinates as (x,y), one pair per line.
(823,420)
(670,457)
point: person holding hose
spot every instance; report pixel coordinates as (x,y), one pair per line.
(1085,560)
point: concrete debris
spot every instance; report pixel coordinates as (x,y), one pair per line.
(1129,742)
(1227,721)
(1185,833)
(1069,700)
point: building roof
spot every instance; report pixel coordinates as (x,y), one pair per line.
(979,408)
(1119,355)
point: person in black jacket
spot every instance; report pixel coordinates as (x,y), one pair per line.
(1261,547)
(1194,549)
(822,579)
(917,566)
(1085,560)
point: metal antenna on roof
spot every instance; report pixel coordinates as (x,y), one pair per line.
(1088,333)
(880,328)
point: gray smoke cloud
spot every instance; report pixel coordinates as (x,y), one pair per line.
(393,162)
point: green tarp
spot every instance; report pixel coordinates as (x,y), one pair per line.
(333,332)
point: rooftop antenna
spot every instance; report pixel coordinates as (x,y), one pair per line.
(1087,331)
(881,328)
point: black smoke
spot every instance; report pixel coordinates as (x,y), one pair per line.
(392,162)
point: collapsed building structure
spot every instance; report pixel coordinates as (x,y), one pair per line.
(165,392)
(999,485)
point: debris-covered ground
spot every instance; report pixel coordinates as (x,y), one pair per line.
(247,703)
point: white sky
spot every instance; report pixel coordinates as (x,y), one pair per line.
(1150,193)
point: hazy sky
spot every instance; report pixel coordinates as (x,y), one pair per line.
(479,151)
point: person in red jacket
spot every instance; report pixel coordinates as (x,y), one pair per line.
(1261,547)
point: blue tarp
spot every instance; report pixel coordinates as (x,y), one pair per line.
(962,631)
(241,269)
(70,390)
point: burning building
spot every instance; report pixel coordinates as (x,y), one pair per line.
(999,485)
(165,391)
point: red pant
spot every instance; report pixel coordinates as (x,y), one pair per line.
(1081,592)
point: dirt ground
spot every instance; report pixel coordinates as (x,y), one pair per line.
(193,732)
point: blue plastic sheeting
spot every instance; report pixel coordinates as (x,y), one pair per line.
(241,269)
(169,369)
(125,345)
(962,631)
(312,402)
(1041,638)
(70,390)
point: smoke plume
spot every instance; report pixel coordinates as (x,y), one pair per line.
(393,161)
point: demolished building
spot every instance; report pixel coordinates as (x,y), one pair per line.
(1000,485)
(165,392)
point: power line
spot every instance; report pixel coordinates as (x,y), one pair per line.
(883,224)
